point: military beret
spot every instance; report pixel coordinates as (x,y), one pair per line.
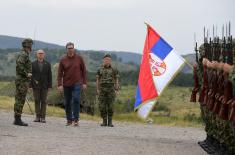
(27,42)
(107,55)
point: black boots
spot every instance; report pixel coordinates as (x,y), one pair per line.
(110,124)
(104,122)
(18,121)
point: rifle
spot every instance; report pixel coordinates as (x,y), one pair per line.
(213,87)
(27,101)
(195,77)
(209,73)
(228,89)
(220,81)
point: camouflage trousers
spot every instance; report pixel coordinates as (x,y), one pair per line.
(231,141)
(20,96)
(222,131)
(202,108)
(106,100)
(206,116)
(210,122)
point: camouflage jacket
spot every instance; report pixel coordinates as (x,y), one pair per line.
(23,65)
(232,79)
(107,75)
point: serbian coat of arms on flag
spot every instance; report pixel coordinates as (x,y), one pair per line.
(159,65)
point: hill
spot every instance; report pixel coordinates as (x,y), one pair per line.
(9,42)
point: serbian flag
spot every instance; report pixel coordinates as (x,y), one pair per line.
(160,63)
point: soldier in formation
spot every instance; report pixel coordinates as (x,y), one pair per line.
(214,77)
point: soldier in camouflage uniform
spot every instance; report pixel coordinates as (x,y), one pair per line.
(23,75)
(107,85)
(231,141)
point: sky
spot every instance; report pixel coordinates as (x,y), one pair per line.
(116,25)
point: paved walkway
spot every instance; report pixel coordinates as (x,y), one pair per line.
(54,138)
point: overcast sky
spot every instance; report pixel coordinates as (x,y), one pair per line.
(114,24)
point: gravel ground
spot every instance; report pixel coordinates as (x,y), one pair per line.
(54,138)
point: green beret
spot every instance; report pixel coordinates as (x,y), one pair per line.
(107,55)
(27,42)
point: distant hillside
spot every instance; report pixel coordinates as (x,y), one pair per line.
(124,61)
(190,58)
(7,42)
(129,57)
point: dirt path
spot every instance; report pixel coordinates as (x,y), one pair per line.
(54,138)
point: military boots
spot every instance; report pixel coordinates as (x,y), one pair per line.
(104,122)
(18,121)
(110,124)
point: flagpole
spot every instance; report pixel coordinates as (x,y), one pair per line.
(147,24)
(186,61)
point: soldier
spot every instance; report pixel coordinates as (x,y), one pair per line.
(107,85)
(231,141)
(23,75)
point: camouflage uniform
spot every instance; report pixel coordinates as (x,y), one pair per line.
(231,141)
(23,68)
(204,110)
(107,76)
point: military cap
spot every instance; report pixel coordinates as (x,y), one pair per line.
(27,42)
(107,55)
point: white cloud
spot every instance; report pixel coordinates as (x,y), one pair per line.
(68,4)
(114,24)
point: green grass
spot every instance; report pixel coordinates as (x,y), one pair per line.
(7,104)
(3,84)
(173,108)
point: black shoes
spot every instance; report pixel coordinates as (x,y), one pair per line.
(38,119)
(43,120)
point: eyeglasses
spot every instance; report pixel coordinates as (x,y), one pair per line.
(70,48)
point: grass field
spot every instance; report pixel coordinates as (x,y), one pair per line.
(172,109)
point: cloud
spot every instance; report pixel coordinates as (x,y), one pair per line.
(69,4)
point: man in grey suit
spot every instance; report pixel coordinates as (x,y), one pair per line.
(41,82)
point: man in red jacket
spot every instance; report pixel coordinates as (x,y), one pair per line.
(71,79)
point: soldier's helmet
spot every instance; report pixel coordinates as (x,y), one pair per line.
(27,43)
(107,55)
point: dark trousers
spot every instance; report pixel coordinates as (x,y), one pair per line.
(40,97)
(72,102)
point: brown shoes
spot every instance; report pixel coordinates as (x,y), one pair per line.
(76,123)
(69,123)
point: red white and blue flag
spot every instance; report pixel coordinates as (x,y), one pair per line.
(160,63)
